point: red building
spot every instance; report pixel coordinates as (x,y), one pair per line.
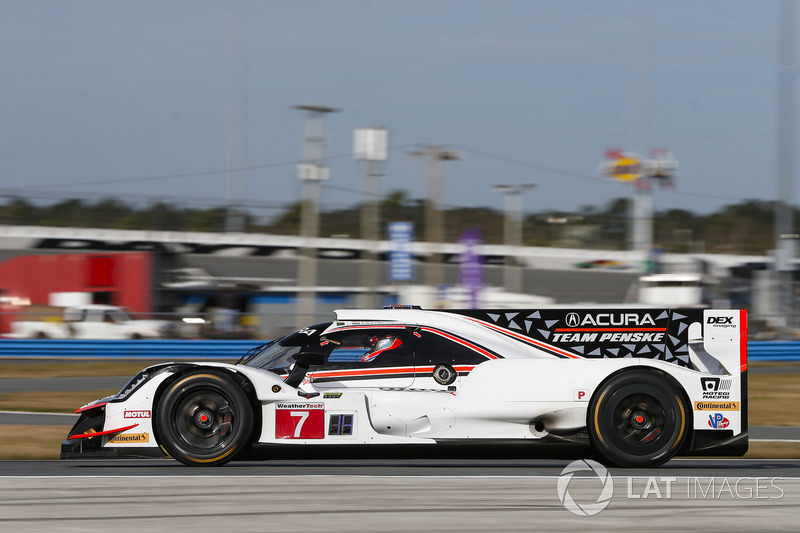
(116,278)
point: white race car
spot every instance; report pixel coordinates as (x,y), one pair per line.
(639,386)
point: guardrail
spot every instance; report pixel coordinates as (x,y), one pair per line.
(216,350)
(164,350)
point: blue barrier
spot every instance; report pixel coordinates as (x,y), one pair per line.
(208,350)
(163,350)
(773,351)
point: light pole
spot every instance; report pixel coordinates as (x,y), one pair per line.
(434,218)
(785,237)
(371,146)
(312,172)
(237,118)
(512,232)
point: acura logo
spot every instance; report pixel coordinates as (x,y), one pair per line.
(573,320)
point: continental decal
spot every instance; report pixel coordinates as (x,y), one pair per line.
(129,438)
(716,406)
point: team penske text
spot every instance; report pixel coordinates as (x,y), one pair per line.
(609,337)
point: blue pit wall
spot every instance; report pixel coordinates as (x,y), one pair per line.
(160,349)
(227,350)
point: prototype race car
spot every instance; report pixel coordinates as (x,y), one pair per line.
(639,386)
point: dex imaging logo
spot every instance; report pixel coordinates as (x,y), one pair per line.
(720,322)
(606,489)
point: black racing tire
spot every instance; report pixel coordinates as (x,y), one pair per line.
(638,419)
(204,419)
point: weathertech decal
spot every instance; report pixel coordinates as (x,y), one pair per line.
(300,406)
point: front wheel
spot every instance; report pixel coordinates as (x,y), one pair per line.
(204,419)
(637,419)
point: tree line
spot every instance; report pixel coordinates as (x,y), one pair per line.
(743,228)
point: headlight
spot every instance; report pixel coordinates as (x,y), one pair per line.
(140,379)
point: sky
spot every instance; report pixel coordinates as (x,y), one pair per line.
(132,100)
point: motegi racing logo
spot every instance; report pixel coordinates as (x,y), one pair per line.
(716,388)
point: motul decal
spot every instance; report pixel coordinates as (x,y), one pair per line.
(144,413)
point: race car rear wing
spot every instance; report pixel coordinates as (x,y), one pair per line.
(708,340)
(722,340)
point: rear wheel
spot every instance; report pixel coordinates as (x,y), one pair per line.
(637,419)
(204,419)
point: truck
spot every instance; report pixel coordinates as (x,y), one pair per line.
(89,322)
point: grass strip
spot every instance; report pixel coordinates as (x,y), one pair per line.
(51,401)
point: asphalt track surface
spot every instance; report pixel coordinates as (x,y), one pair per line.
(397,495)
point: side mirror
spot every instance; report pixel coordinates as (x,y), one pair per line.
(303,361)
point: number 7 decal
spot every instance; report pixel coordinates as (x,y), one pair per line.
(305,423)
(299,427)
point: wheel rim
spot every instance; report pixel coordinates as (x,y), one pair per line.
(639,419)
(205,421)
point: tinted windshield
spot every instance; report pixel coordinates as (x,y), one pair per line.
(277,356)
